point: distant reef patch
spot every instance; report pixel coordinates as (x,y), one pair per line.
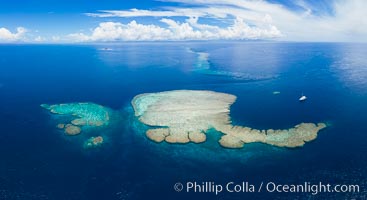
(81,115)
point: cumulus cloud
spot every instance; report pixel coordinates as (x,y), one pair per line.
(114,31)
(174,30)
(256,19)
(56,38)
(39,39)
(8,36)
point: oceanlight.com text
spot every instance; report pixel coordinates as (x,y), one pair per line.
(270,187)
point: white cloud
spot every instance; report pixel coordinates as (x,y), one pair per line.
(112,31)
(39,39)
(262,19)
(8,36)
(174,30)
(134,13)
(56,38)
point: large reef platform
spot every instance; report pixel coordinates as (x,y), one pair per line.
(183,116)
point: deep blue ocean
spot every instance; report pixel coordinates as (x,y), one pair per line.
(38,161)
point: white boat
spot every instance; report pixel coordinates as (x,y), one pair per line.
(303,98)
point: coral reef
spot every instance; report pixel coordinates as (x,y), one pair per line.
(82,114)
(183,116)
(94,142)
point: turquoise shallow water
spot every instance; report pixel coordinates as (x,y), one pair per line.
(40,162)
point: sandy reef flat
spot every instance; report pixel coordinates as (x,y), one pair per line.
(183,116)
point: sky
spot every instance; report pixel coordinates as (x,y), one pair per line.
(83,21)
